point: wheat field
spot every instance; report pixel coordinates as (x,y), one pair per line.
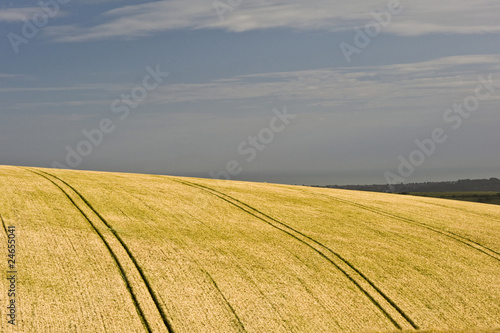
(115,252)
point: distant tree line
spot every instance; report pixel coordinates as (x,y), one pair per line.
(463,185)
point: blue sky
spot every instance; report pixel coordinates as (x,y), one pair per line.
(355,116)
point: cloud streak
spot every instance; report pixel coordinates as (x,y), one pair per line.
(417,18)
(396,87)
(17,14)
(15,76)
(368,87)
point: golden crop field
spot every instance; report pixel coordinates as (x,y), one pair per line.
(114,252)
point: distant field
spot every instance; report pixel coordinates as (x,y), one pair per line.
(482,197)
(114,252)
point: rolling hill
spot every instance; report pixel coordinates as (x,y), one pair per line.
(114,252)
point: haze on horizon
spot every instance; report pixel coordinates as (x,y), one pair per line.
(183,88)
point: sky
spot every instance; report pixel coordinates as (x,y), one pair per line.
(298,92)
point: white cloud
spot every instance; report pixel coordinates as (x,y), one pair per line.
(75,103)
(17,14)
(429,82)
(81,87)
(15,76)
(416,18)
(429,85)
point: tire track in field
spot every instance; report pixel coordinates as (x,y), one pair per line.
(388,308)
(267,300)
(4,226)
(459,209)
(240,324)
(123,273)
(464,240)
(200,266)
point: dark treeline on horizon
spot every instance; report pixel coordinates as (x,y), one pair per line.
(463,185)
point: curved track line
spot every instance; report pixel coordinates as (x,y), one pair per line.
(110,250)
(489,217)
(4,226)
(240,324)
(464,240)
(232,310)
(201,266)
(266,299)
(129,253)
(115,258)
(343,262)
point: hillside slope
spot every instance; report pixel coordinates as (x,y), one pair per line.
(111,252)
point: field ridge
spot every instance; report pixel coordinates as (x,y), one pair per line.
(116,252)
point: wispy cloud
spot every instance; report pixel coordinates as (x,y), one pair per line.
(8,76)
(428,84)
(78,87)
(431,82)
(17,14)
(72,103)
(417,17)
(137,20)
